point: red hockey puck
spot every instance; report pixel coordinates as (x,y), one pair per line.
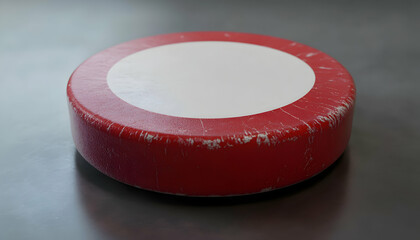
(211,113)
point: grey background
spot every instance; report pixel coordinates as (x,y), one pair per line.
(48,191)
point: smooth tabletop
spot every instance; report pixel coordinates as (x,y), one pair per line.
(48,191)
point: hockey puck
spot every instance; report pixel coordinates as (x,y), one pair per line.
(211,113)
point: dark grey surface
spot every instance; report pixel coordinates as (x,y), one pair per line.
(47,191)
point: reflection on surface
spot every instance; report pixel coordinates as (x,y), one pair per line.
(308,209)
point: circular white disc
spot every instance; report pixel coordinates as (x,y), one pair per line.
(210,79)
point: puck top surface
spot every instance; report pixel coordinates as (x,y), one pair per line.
(210,79)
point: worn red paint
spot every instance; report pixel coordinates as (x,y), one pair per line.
(211,157)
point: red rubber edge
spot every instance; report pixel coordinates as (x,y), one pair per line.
(211,157)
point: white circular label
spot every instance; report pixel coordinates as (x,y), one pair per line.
(210,79)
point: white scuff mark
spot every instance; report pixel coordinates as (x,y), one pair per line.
(266,189)
(212,144)
(181,141)
(122,130)
(320,125)
(326,68)
(263,138)
(308,152)
(293,44)
(304,109)
(89,118)
(190,141)
(308,162)
(202,125)
(278,131)
(149,137)
(140,136)
(341,111)
(348,103)
(324,105)
(274,140)
(109,127)
(259,141)
(247,139)
(247,133)
(311,139)
(335,89)
(237,140)
(337,114)
(227,35)
(310,130)
(291,139)
(325,119)
(311,54)
(333,100)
